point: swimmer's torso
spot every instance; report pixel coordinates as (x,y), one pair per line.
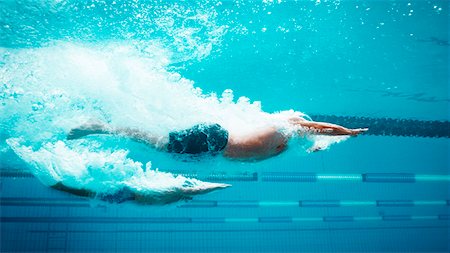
(213,138)
(260,145)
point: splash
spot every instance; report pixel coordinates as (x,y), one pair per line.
(112,63)
(48,91)
(67,84)
(106,173)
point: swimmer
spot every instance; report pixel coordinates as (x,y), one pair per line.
(213,138)
(204,139)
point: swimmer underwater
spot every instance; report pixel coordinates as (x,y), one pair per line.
(207,139)
(213,138)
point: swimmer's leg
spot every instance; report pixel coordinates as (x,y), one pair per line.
(98,127)
(79,192)
(88,129)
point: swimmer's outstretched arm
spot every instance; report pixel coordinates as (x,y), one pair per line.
(323,128)
(102,128)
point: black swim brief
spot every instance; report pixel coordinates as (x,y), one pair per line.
(198,139)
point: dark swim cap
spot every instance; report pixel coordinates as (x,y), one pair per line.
(198,139)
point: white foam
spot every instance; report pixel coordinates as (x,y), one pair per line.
(85,165)
(115,83)
(48,91)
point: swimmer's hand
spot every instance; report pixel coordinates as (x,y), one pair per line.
(323,128)
(357,131)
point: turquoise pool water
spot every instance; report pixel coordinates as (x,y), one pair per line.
(161,66)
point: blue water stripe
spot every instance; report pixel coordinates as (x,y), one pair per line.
(389,177)
(208,220)
(14,173)
(357,203)
(444,216)
(238,203)
(301,177)
(339,177)
(200,203)
(232,177)
(278,203)
(241,220)
(96,219)
(428,178)
(275,219)
(287,219)
(337,218)
(395,203)
(319,203)
(396,217)
(83,202)
(289,177)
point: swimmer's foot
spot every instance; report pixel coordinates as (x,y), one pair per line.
(186,192)
(315,149)
(207,187)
